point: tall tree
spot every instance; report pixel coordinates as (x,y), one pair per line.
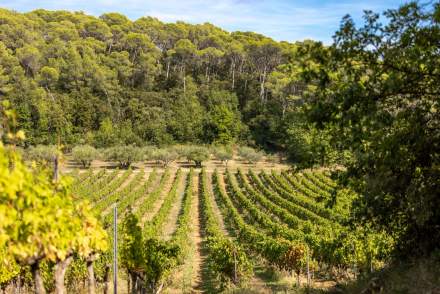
(378,87)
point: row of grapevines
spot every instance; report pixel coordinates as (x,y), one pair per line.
(314,184)
(264,220)
(340,200)
(324,179)
(111,187)
(227,260)
(300,184)
(279,252)
(286,191)
(313,235)
(81,188)
(293,208)
(81,177)
(152,227)
(132,196)
(101,184)
(344,247)
(146,205)
(284,215)
(181,235)
(89,189)
(119,194)
(212,225)
(92,191)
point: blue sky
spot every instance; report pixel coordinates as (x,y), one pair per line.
(280,19)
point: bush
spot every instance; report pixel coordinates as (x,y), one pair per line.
(198,154)
(149,152)
(183,150)
(249,154)
(42,154)
(224,154)
(124,155)
(84,154)
(166,156)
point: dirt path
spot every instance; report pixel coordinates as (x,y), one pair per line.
(156,206)
(171,223)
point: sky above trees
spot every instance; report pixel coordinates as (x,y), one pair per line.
(280,19)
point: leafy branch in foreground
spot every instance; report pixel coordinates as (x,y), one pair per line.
(40,221)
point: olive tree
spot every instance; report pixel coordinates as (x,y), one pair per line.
(166,156)
(42,154)
(124,155)
(224,154)
(198,154)
(249,154)
(84,154)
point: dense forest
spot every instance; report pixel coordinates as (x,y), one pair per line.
(109,80)
(366,107)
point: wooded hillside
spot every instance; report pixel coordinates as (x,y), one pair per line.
(110,80)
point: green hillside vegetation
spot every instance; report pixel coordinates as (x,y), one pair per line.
(177,123)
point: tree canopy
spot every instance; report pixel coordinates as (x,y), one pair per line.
(110,81)
(377,90)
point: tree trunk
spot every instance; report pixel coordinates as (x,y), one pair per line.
(133,278)
(158,289)
(128,280)
(50,94)
(110,48)
(233,77)
(107,279)
(17,288)
(184,80)
(168,69)
(91,277)
(284,110)
(38,280)
(60,272)
(55,168)
(263,81)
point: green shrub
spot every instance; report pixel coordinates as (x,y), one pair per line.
(183,150)
(249,154)
(198,154)
(149,152)
(84,154)
(165,155)
(224,153)
(124,155)
(42,154)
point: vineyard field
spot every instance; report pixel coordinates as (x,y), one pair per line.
(259,230)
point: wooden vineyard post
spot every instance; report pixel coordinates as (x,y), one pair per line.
(235,267)
(308,268)
(354,260)
(115,249)
(56,162)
